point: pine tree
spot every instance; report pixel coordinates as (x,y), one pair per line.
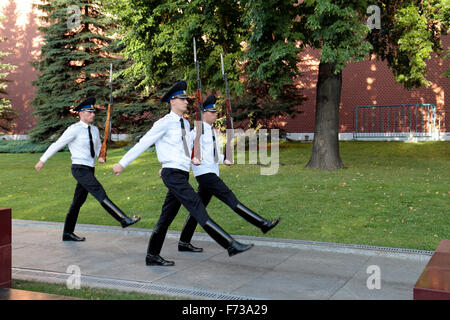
(7,113)
(74,63)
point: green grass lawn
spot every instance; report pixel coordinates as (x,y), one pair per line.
(390,194)
(85,292)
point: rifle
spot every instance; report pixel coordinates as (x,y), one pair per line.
(108,119)
(197,151)
(229,116)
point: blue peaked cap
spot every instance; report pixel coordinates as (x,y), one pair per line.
(209,104)
(86,105)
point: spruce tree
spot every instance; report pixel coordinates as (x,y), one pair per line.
(74,63)
(7,113)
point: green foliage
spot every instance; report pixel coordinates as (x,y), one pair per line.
(7,113)
(160,34)
(272,51)
(447,73)
(280,30)
(159,39)
(23,146)
(411,31)
(135,108)
(414,44)
(261,42)
(444,15)
(339,30)
(74,63)
(256,108)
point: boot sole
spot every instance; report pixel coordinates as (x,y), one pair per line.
(79,239)
(237,252)
(188,250)
(159,264)
(273,226)
(127,225)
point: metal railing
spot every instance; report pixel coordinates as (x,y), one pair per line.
(394,121)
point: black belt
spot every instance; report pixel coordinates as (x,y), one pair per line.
(81,166)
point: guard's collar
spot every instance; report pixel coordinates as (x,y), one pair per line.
(207,125)
(84,124)
(174,115)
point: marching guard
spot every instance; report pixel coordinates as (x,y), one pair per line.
(84,143)
(170,135)
(209,183)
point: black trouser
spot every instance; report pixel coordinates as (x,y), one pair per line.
(209,184)
(86,183)
(180,193)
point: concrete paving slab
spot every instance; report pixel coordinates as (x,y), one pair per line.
(323,263)
(285,285)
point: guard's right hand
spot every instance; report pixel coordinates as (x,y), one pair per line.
(117,168)
(39,166)
(227,162)
(195,161)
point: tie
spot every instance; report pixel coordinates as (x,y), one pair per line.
(183,133)
(91,144)
(216,158)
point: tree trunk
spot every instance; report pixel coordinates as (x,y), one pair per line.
(325,153)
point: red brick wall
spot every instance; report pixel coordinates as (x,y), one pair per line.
(369,83)
(365,83)
(5,248)
(24,41)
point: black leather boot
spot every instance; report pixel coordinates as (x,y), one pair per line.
(184,244)
(224,239)
(154,248)
(117,214)
(70,236)
(255,219)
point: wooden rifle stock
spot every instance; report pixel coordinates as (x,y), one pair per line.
(229,154)
(107,133)
(197,150)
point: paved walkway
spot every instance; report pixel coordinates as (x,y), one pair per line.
(280,269)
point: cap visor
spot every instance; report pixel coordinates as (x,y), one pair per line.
(181,96)
(88,109)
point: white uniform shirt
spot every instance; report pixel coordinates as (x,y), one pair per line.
(166,135)
(208,165)
(77,137)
